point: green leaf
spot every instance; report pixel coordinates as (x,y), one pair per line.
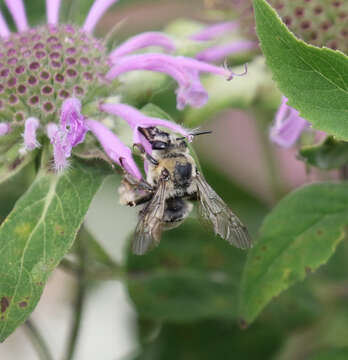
(206,340)
(11,162)
(155,111)
(298,236)
(314,79)
(192,274)
(331,354)
(331,154)
(38,233)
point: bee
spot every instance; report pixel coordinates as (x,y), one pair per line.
(173,184)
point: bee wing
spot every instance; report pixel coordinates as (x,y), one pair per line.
(225,222)
(149,227)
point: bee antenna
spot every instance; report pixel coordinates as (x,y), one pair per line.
(196,134)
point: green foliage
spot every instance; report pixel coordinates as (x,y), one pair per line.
(315,80)
(298,236)
(11,162)
(331,354)
(212,339)
(331,154)
(38,233)
(193,274)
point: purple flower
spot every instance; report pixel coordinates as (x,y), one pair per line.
(220,50)
(185,71)
(214,31)
(142,41)
(288,125)
(47,72)
(70,132)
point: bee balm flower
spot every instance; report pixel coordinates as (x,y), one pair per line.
(50,73)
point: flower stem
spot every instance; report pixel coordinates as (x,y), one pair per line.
(262,123)
(344,172)
(79,302)
(38,341)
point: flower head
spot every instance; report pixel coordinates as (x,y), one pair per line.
(318,22)
(50,73)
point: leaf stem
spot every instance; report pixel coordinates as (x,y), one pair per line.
(114,272)
(38,341)
(79,302)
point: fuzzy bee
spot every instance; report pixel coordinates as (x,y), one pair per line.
(173,183)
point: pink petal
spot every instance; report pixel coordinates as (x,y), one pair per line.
(141,41)
(30,127)
(288,125)
(51,130)
(5,128)
(52,11)
(96,12)
(213,31)
(17,10)
(114,148)
(219,52)
(136,119)
(72,122)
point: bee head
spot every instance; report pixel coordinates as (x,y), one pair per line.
(163,141)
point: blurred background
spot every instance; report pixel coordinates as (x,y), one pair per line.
(181,301)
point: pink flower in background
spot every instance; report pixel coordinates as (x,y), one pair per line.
(50,73)
(288,125)
(219,52)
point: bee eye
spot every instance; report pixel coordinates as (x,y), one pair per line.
(159,145)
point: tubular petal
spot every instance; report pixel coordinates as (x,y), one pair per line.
(61,150)
(288,125)
(30,128)
(114,148)
(219,52)
(96,12)
(72,122)
(52,11)
(4,30)
(17,10)
(151,62)
(213,31)
(184,70)
(136,119)
(51,130)
(141,41)
(164,63)
(194,95)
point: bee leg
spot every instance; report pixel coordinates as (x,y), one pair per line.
(144,155)
(137,184)
(140,200)
(132,195)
